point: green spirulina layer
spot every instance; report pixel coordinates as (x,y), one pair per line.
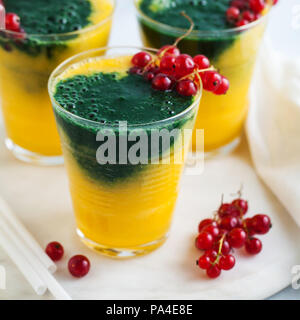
(107,99)
(44,17)
(207,15)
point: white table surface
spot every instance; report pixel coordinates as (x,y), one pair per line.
(129,36)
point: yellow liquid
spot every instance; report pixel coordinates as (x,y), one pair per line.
(27,111)
(222,117)
(131,215)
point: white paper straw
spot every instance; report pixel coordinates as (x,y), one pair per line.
(23,233)
(53,286)
(43,273)
(2,17)
(21,262)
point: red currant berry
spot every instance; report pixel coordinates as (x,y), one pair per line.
(242,23)
(12,22)
(225,247)
(257,16)
(233,14)
(241,204)
(221,233)
(237,238)
(186,88)
(201,61)
(204,262)
(223,88)
(227,209)
(154,69)
(229,222)
(141,59)
(213,272)
(167,65)
(275,2)
(211,80)
(227,262)
(240,4)
(206,222)
(248,15)
(253,246)
(55,251)
(247,225)
(212,255)
(149,76)
(240,223)
(257,6)
(136,70)
(213,230)
(204,241)
(169,50)
(261,223)
(161,82)
(184,65)
(79,266)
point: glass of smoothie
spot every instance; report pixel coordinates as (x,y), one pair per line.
(232,50)
(123,207)
(50,32)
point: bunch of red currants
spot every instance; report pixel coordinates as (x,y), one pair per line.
(243,12)
(170,69)
(227,231)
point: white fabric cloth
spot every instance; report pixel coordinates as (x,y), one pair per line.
(273,126)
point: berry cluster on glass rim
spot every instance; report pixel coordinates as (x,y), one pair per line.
(229,230)
(243,12)
(171,70)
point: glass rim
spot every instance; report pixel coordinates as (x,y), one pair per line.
(64,34)
(65,63)
(180,31)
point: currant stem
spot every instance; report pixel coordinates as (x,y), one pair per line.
(219,250)
(196,73)
(221,244)
(199,80)
(188,31)
(149,64)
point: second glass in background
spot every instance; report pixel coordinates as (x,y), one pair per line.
(233,52)
(25,66)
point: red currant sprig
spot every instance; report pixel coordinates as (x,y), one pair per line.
(217,258)
(171,70)
(243,12)
(229,230)
(180,72)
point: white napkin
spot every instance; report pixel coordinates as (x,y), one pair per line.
(273,126)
